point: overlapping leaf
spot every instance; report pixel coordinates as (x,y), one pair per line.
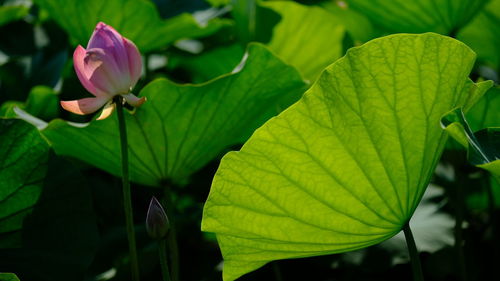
(23,165)
(345,167)
(483,145)
(137,20)
(182,127)
(443,16)
(486,112)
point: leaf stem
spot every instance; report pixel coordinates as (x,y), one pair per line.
(412,249)
(459,219)
(162,251)
(127,197)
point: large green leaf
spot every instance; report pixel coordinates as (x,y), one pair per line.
(137,20)
(443,16)
(23,164)
(182,127)
(483,34)
(345,167)
(309,47)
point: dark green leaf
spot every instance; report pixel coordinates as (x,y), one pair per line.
(23,164)
(182,127)
(60,236)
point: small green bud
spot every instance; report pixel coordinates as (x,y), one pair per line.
(157,223)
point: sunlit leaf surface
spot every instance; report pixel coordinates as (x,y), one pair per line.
(345,167)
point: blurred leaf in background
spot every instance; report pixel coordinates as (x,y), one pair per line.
(441,16)
(137,20)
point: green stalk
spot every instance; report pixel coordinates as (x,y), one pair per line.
(127,198)
(414,258)
(162,251)
(173,248)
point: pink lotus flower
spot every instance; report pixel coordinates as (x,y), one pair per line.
(110,66)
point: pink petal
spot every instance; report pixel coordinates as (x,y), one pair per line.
(84,106)
(107,38)
(106,112)
(134,61)
(84,72)
(133,100)
(107,76)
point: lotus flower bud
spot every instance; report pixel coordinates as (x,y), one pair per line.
(111,65)
(157,223)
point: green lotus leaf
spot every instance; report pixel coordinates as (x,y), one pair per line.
(137,20)
(442,16)
(346,166)
(183,127)
(23,165)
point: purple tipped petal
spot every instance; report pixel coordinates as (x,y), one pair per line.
(84,106)
(134,61)
(133,100)
(107,38)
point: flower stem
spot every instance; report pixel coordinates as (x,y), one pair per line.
(162,251)
(173,247)
(414,258)
(127,198)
